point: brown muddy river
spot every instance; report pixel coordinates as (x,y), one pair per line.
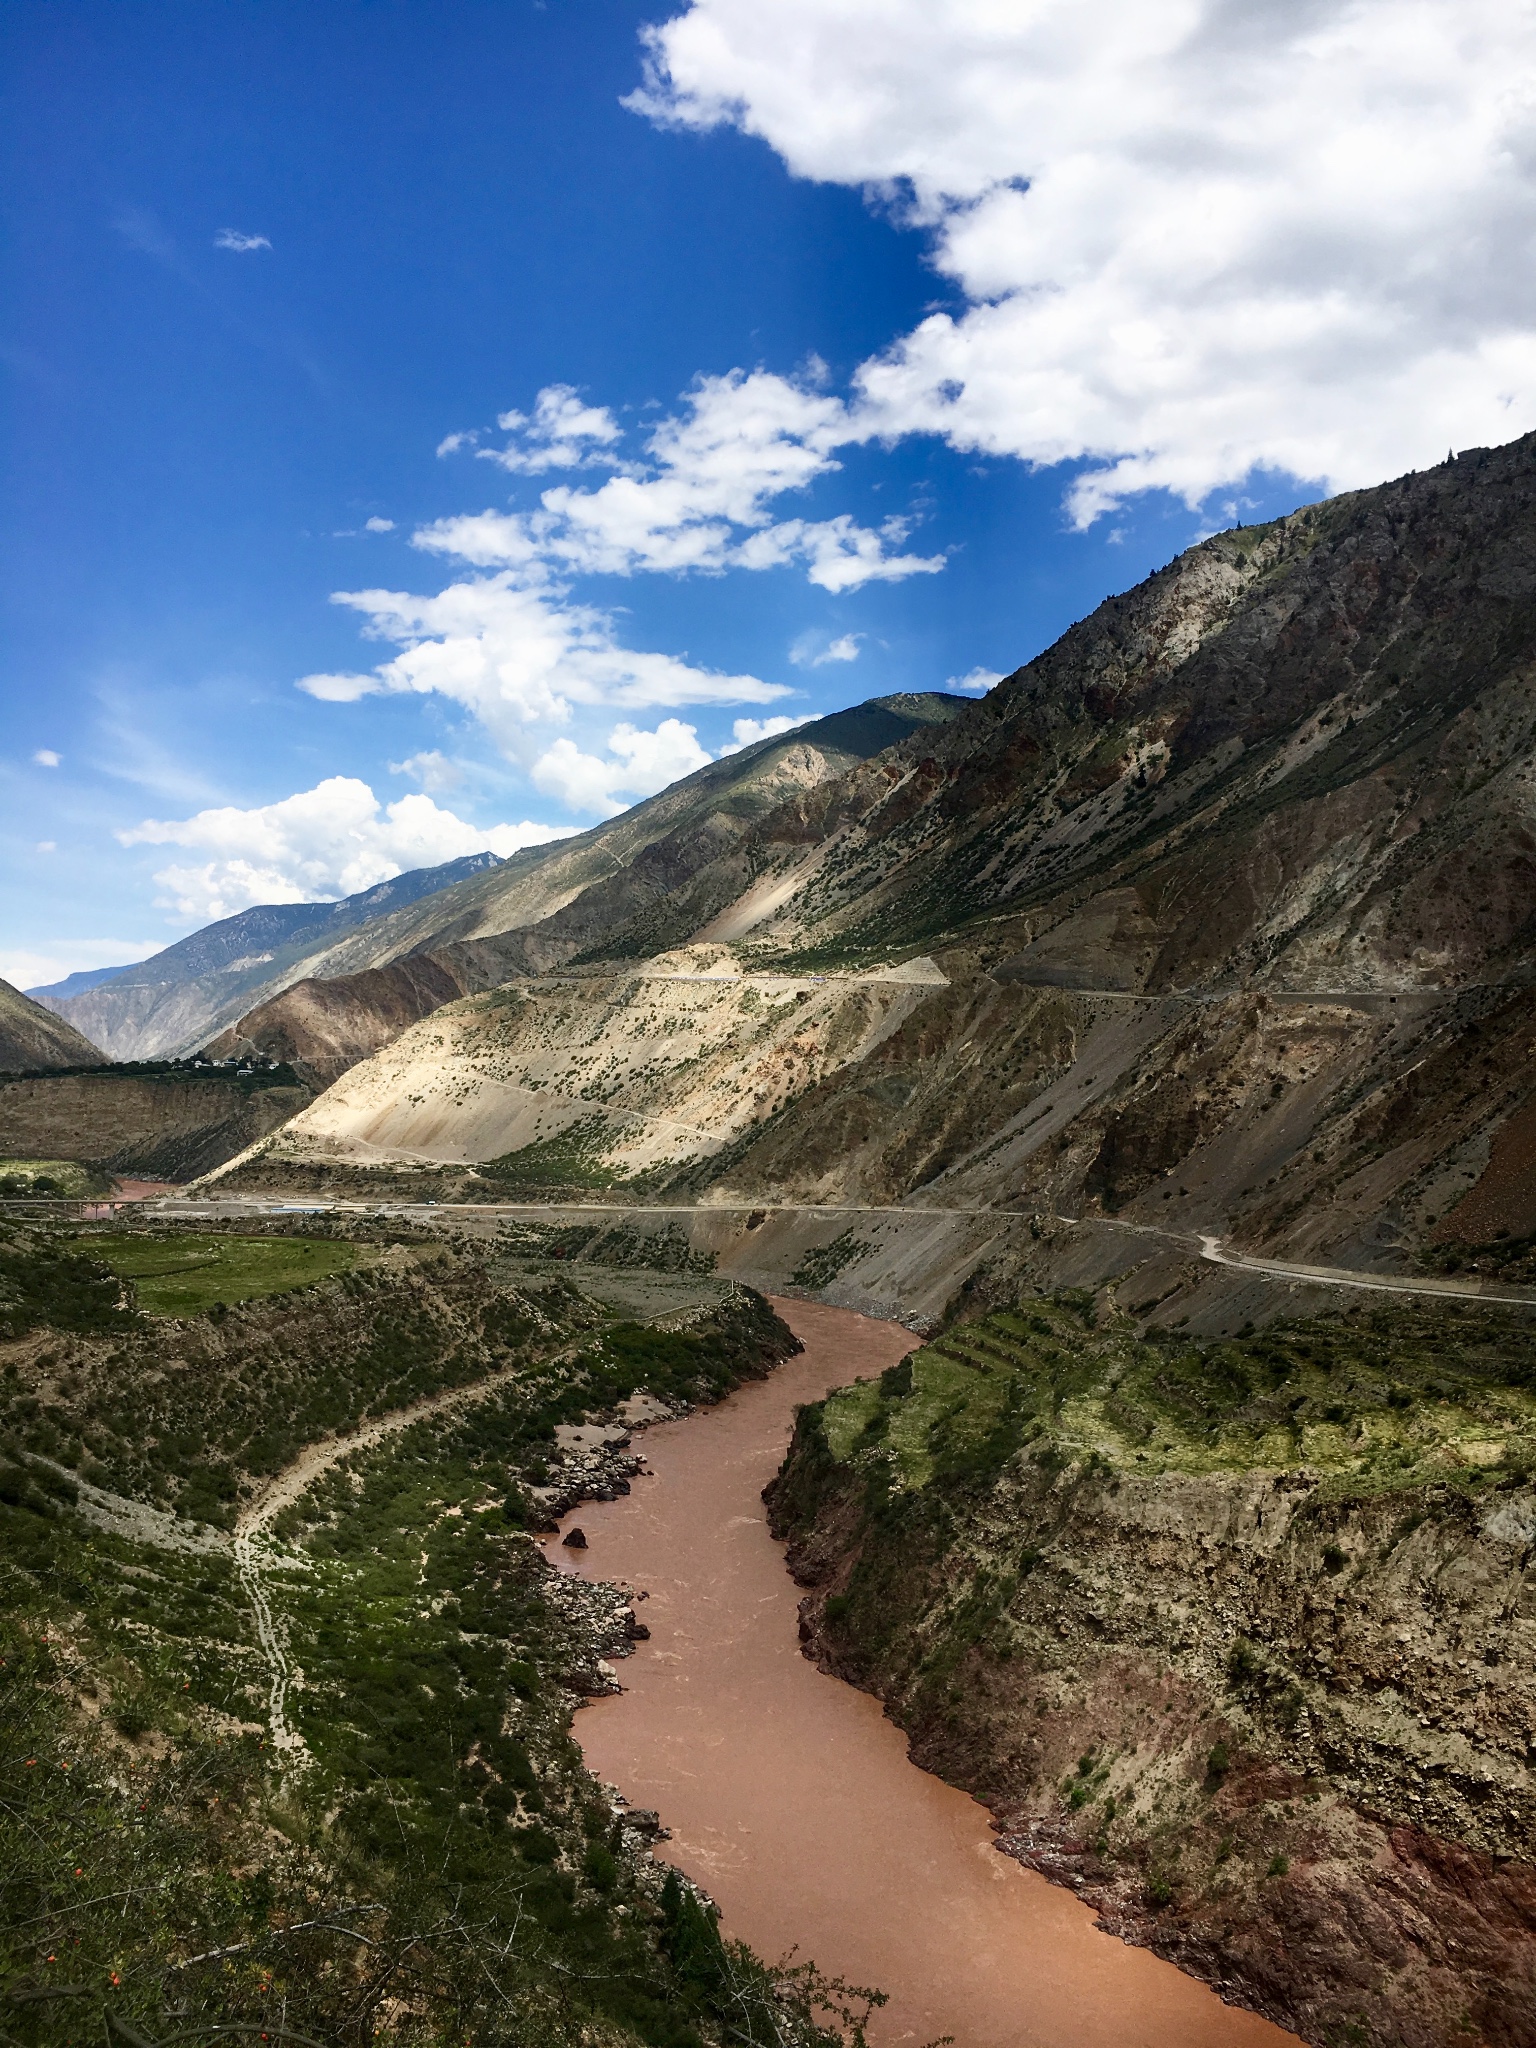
(790,1796)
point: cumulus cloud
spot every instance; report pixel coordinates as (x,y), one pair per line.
(320,844)
(1194,238)
(378,525)
(639,763)
(514,648)
(231,238)
(431,769)
(45,757)
(746,732)
(698,500)
(517,656)
(978,680)
(813,649)
(564,433)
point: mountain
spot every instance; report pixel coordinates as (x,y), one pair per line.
(542,908)
(167,1005)
(76,984)
(1160,1033)
(34,1042)
(1221,899)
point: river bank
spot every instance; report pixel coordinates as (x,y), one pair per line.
(790,1797)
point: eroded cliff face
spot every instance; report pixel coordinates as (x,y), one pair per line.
(166,1126)
(1238,1639)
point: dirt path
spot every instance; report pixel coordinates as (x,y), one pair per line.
(256,1553)
(1211,1248)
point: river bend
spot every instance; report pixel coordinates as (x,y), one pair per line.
(790,1796)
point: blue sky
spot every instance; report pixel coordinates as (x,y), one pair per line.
(261,262)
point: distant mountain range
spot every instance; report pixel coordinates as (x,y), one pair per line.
(167,1005)
(446,930)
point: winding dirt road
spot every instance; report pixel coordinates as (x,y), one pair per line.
(255,1556)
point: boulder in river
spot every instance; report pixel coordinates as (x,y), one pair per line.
(574,1539)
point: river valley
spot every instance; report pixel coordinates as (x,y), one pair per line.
(789,1795)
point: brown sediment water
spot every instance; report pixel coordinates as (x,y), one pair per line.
(791,1798)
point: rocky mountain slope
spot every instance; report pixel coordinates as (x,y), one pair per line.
(541,908)
(33,1041)
(1224,904)
(169,1004)
(1237,1638)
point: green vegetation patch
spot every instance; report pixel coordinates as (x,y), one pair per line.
(186,1417)
(442,1869)
(822,1264)
(1371,1399)
(667,1250)
(571,1159)
(1501,1257)
(22,1177)
(182,1275)
(45,1278)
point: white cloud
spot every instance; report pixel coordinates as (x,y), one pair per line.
(1195,238)
(748,731)
(47,846)
(813,649)
(564,433)
(512,647)
(978,680)
(322,843)
(639,764)
(434,771)
(700,501)
(378,525)
(450,444)
(231,238)
(518,657)
(25,967)
(45,757)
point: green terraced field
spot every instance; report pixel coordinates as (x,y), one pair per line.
(184,1275)
(1376,1398)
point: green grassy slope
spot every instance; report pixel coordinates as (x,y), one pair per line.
(439,1866)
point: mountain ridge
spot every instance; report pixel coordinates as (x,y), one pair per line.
(34,1041)
(1253,843)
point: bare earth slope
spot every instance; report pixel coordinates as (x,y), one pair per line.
(1227,897)
(542,908)
(33,1041)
